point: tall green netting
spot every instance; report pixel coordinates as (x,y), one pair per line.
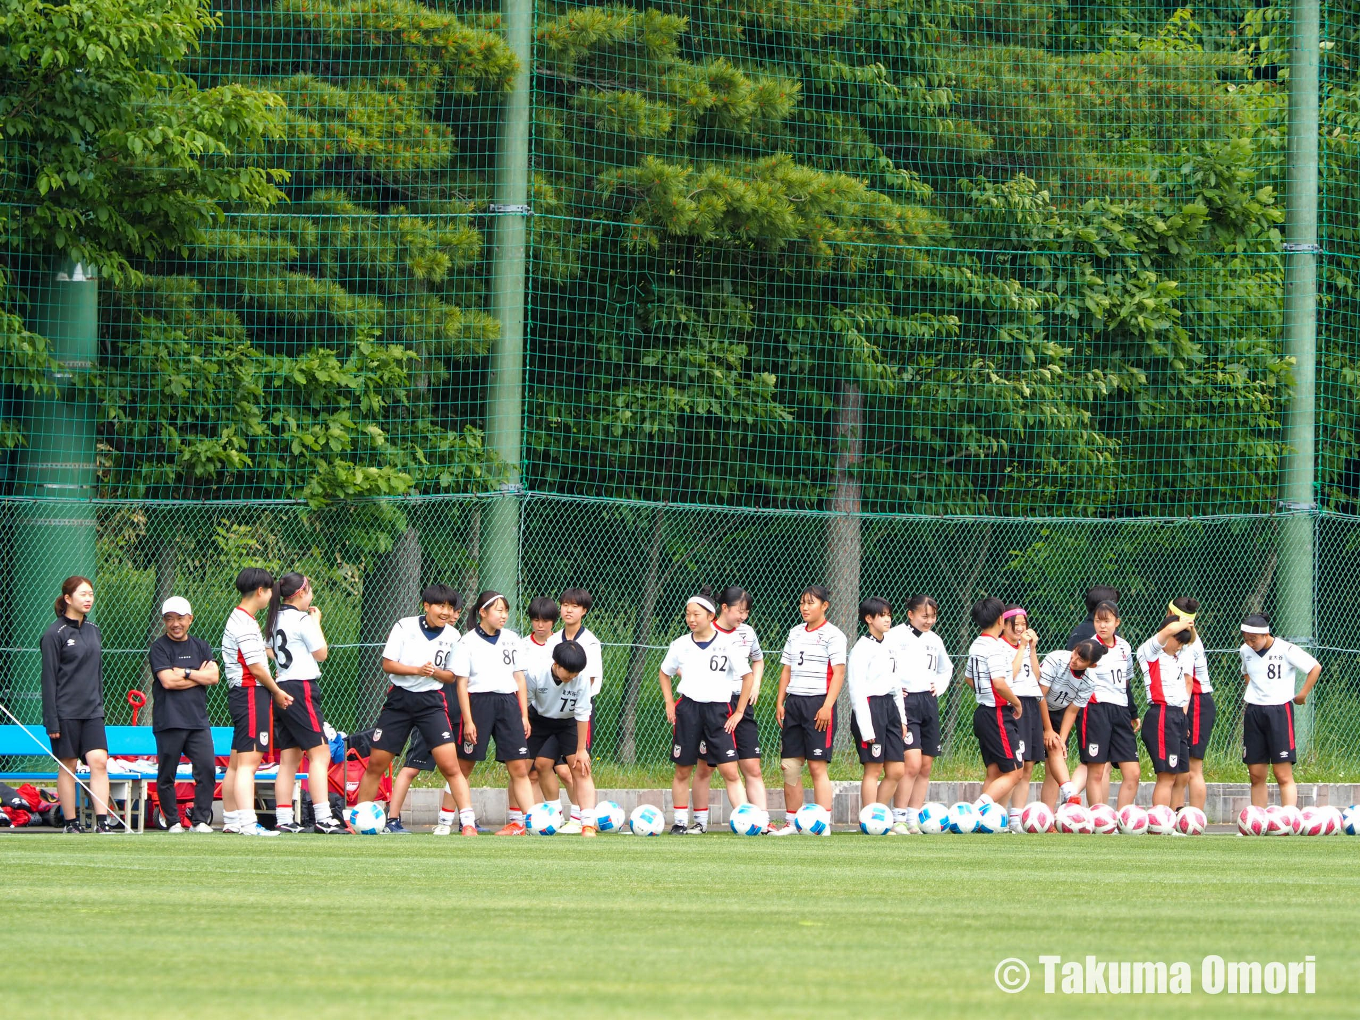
(895,295)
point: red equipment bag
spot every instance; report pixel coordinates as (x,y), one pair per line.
(345,776)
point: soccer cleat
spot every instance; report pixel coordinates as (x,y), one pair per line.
(678,830)
(106,826)
(395,828)
(470,830)
(256,829)
(442,829)
(230,829)
(571,828)
(292,827)
(73,827)
(176,828)
(696,829)
(329,827)
(900,829)
(786,829)
(1074,799)
(588,831)
(200,827)
(513,829)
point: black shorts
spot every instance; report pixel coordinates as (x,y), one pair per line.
(1201,715)
(1031,729)
(746,735)
(252,718)
(698,731)
(299,725)
(1106,734)
(78,737)
(418,755)
(998,735)
(551,738)
(887,744)
(800,737)
(427,712)
(1164,736)
(923,722)
(495,716)
(1268,734)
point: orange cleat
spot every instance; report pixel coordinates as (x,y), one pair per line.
(513,829)
(588,831)
(469,830)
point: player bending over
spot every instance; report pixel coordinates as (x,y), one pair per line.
(876,696)
(1268,665)
(575,604)
(1066,680)
(559,716)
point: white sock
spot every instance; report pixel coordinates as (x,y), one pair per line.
(701,817)
(245,818)
(516,815)
(576,812)
(468,817)
(228,817)
(1066,792)
(682,815)
(284,815)
(447,817)
(588,818)
(322,810)
(788,816)
(899,814)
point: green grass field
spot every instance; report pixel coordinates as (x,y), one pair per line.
(696,926)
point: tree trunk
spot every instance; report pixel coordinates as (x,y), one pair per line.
(391,587)
(167,566)
(642,634)
(965,638)
(843,533)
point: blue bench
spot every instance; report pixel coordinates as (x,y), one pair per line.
(125,784)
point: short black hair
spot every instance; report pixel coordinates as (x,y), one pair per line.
(1186,604)
(817,591)
(441,595)
(543,608)
(735,595)
(1105,607)
(1091,650)
(576,597)
(570,656)
(1257,620)
(1098,593)
(873,606)
(986,611)
(251,578)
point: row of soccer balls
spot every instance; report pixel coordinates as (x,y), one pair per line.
(877,820)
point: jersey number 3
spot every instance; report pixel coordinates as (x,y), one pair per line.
(281,653)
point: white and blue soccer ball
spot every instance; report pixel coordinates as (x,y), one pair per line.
(875,820)
(992,818)
(748,820)
(812,820)
(544,819)
(366,818)
(963,818)
(1350,820)
(609,816)
(933,818)
(647,820)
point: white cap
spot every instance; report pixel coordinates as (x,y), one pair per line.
(176,604)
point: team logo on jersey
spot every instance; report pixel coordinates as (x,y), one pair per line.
(523,750)
(264,737)
(377,734)
(1171,760)
(910,737)
(70,641)
(1284,754)
(468,746)
(757,750)
(446,734)
(1019,749)
(876,750)
(731,753)
(675,751)
(1092,748)
(703,747)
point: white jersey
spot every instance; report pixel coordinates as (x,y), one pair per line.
(707,670)
(1112,672)
(594,670)
(296,636)
(923,666)
(1162,676)
(1025,683)
(1064,687)
(1270,674)
(489,663)
(1196,663)
(242,647)
(872,672)
(745,637)
(811,655)
(547,697)
(412,643)
(989,659)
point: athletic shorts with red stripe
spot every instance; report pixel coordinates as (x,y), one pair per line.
(887,744)
(998,735)
(699,731)
(1164,737)
(746,736)
(800,737)
(299,725)
(428,712)
(1268,734)
(1200,717)
(251,718)
(1031,729)
(1106,734)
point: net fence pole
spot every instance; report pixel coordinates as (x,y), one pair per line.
(510,213)
(1295,604)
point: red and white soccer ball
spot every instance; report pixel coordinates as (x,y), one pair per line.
(1283,821)
(1253,821)
(1335,823)
(1073,819)
(1190,821)
(1133,820)
(1036,817)
(1104,821)
(1314,822)
(1161,820)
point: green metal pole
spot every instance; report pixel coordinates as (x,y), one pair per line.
(510,213)
(55,536)
(1295,607)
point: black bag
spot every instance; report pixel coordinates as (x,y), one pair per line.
(9,797)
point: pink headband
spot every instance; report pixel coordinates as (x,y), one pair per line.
(1017,611)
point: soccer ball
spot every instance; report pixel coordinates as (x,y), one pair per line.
(812,819)
(1283,821)
(1350,820)
(1073,819)
(1253,821)
(544,819)
(1335,823)
(1314,822)
(933,818)
(1133,820)
(366,818)
(992,818)
(1036,818)
(1190,821)
(875,820)
(1103,819)
(608,816)
(748,820)
(1293,818)
(963,818)
(646,820)
(1161,820)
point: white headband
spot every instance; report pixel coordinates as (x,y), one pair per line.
(1249,629)
(699,600)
